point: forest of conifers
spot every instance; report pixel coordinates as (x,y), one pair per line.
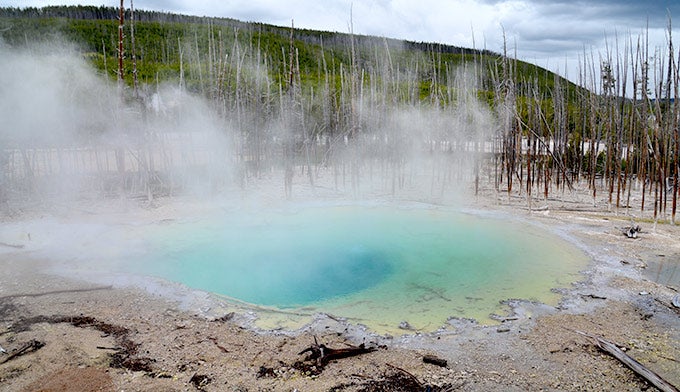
(301,101)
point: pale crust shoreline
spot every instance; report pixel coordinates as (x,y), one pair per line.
(537,348)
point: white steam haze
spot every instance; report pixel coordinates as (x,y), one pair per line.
(69,133)
(50,97)
(63,125)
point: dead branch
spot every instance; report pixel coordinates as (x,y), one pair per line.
(611,349)
(109,348)
(414,378)
(322,354)
(222,348)
(593,296)
(31,346)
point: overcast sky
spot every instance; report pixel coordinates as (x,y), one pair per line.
(550,33)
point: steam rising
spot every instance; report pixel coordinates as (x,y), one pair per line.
(69,132)
(50,97)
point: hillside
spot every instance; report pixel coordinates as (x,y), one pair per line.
(170,46)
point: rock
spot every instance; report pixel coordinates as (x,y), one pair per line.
(631,232)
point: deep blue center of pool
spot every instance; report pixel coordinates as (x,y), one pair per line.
(283,259)
(278,274)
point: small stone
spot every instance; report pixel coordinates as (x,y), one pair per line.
(503,329)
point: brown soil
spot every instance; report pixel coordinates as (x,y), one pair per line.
(100,338)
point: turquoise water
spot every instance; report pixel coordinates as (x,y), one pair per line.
(374,265)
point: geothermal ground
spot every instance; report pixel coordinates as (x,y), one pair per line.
(70,333)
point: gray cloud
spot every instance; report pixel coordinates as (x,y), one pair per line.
(555,33)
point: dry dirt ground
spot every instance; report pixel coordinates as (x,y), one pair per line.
(70,335)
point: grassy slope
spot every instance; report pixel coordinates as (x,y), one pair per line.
(161,39)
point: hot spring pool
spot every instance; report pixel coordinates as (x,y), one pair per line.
(377,266)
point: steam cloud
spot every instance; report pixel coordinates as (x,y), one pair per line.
(68,132)
(64,126)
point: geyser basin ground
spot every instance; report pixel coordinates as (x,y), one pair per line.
(374,265)
(477,356)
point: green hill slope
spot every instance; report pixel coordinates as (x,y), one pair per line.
(169,47)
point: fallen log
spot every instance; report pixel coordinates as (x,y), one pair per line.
(611,349)
(33,345)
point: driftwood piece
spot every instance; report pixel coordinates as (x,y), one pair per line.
(611,349)
(322,354)
(434,360)
(33,345)
(593,296)
(222,348)
(411,376)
